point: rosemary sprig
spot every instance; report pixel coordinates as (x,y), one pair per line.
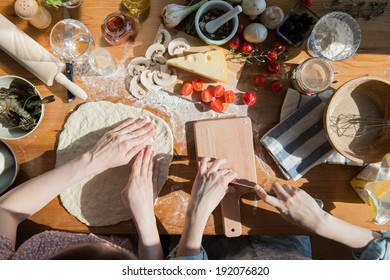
(255,57)
(358,8)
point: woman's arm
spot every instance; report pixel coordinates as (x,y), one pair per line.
(299,208)
(117,147)
(209,188)
(138,197)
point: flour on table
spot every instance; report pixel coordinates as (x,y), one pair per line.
(96,200)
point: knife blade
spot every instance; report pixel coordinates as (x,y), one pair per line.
(68,63)
(271,193)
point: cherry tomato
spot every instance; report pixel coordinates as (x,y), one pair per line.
(308,3)
(187,89)
(260,80)
(197,84)
(246,48)
(279,46)
(206,95)
(249,98)
(276,85)
(273,67)
(229,96)
(218,91)
(272,55)
(217,105)
(235,42)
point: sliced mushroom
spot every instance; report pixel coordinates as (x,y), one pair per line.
(165,76)
(178,46)
(163,37)
(154,52)
(136,88)
(137,66)
(148,82)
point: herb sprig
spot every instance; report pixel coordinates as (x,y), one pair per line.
(54,3)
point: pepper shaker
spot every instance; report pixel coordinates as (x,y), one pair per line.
(30,10)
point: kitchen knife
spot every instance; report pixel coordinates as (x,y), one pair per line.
(68,63)
(34,57)
(271,193)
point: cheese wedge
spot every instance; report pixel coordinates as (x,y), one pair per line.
(211,65)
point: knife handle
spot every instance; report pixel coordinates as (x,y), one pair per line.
(69,75)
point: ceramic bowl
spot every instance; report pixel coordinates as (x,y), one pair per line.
(9,167)
(222,5)
(9,131)
(353,119)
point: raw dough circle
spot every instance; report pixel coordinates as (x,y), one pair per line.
(96,200)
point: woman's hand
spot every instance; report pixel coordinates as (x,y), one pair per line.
(119,145)
(295,205)
(210,186)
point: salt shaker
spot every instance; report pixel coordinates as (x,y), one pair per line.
(117,27)
(37,15)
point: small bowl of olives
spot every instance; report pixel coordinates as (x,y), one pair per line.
(297,25)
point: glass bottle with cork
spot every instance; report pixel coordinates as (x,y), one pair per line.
(118,27)
(139,7)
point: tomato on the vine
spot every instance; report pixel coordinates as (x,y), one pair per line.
(229,96)
(308,3)
(272,55)
(260,80)
(279,46)
(217,105)
(249,98)
(276,85)
(246,48)
(187,89)
(235,42)
(206,95)
(240,29)
(218,91)
(273,67)
(197,84)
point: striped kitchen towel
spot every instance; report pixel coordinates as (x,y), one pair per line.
(298,142)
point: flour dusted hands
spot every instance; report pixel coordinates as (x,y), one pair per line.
(119,145)
(295,205)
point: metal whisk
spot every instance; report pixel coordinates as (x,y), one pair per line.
(353,125)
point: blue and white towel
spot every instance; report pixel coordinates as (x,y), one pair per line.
(298,142)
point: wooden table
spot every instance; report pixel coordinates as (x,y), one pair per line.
(36,153)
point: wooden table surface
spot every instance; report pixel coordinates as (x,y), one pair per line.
(36,153)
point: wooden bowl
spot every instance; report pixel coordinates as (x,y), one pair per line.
(348,119)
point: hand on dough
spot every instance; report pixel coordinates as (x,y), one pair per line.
(119,145)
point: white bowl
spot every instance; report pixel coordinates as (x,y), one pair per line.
(9,167)
(215,4)
(10,133)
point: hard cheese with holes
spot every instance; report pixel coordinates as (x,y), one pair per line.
(232,139)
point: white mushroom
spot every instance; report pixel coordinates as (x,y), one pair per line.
(255,33)
(253,8)
(165,76)
(136,88)
(163,37)
(137,65)
(178,46)
(155,52)
(148,82)
(272,17)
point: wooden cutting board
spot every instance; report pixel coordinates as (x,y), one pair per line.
(232,139)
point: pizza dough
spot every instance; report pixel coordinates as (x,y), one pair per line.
(96,200)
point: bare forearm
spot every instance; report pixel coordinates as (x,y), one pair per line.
(34,194)
(149,244)
(350,235)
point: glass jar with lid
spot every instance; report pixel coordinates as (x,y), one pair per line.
(118,27)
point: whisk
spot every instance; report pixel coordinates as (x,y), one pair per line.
(353,125)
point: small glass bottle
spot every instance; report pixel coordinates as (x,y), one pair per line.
(117,27)
(139,7)
(30,10)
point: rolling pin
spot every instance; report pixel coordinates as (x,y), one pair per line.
(34,57)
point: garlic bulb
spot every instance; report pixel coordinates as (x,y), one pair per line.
(173,14)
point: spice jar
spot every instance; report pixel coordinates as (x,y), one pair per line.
(117,27)
(314,75)
(37,15)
